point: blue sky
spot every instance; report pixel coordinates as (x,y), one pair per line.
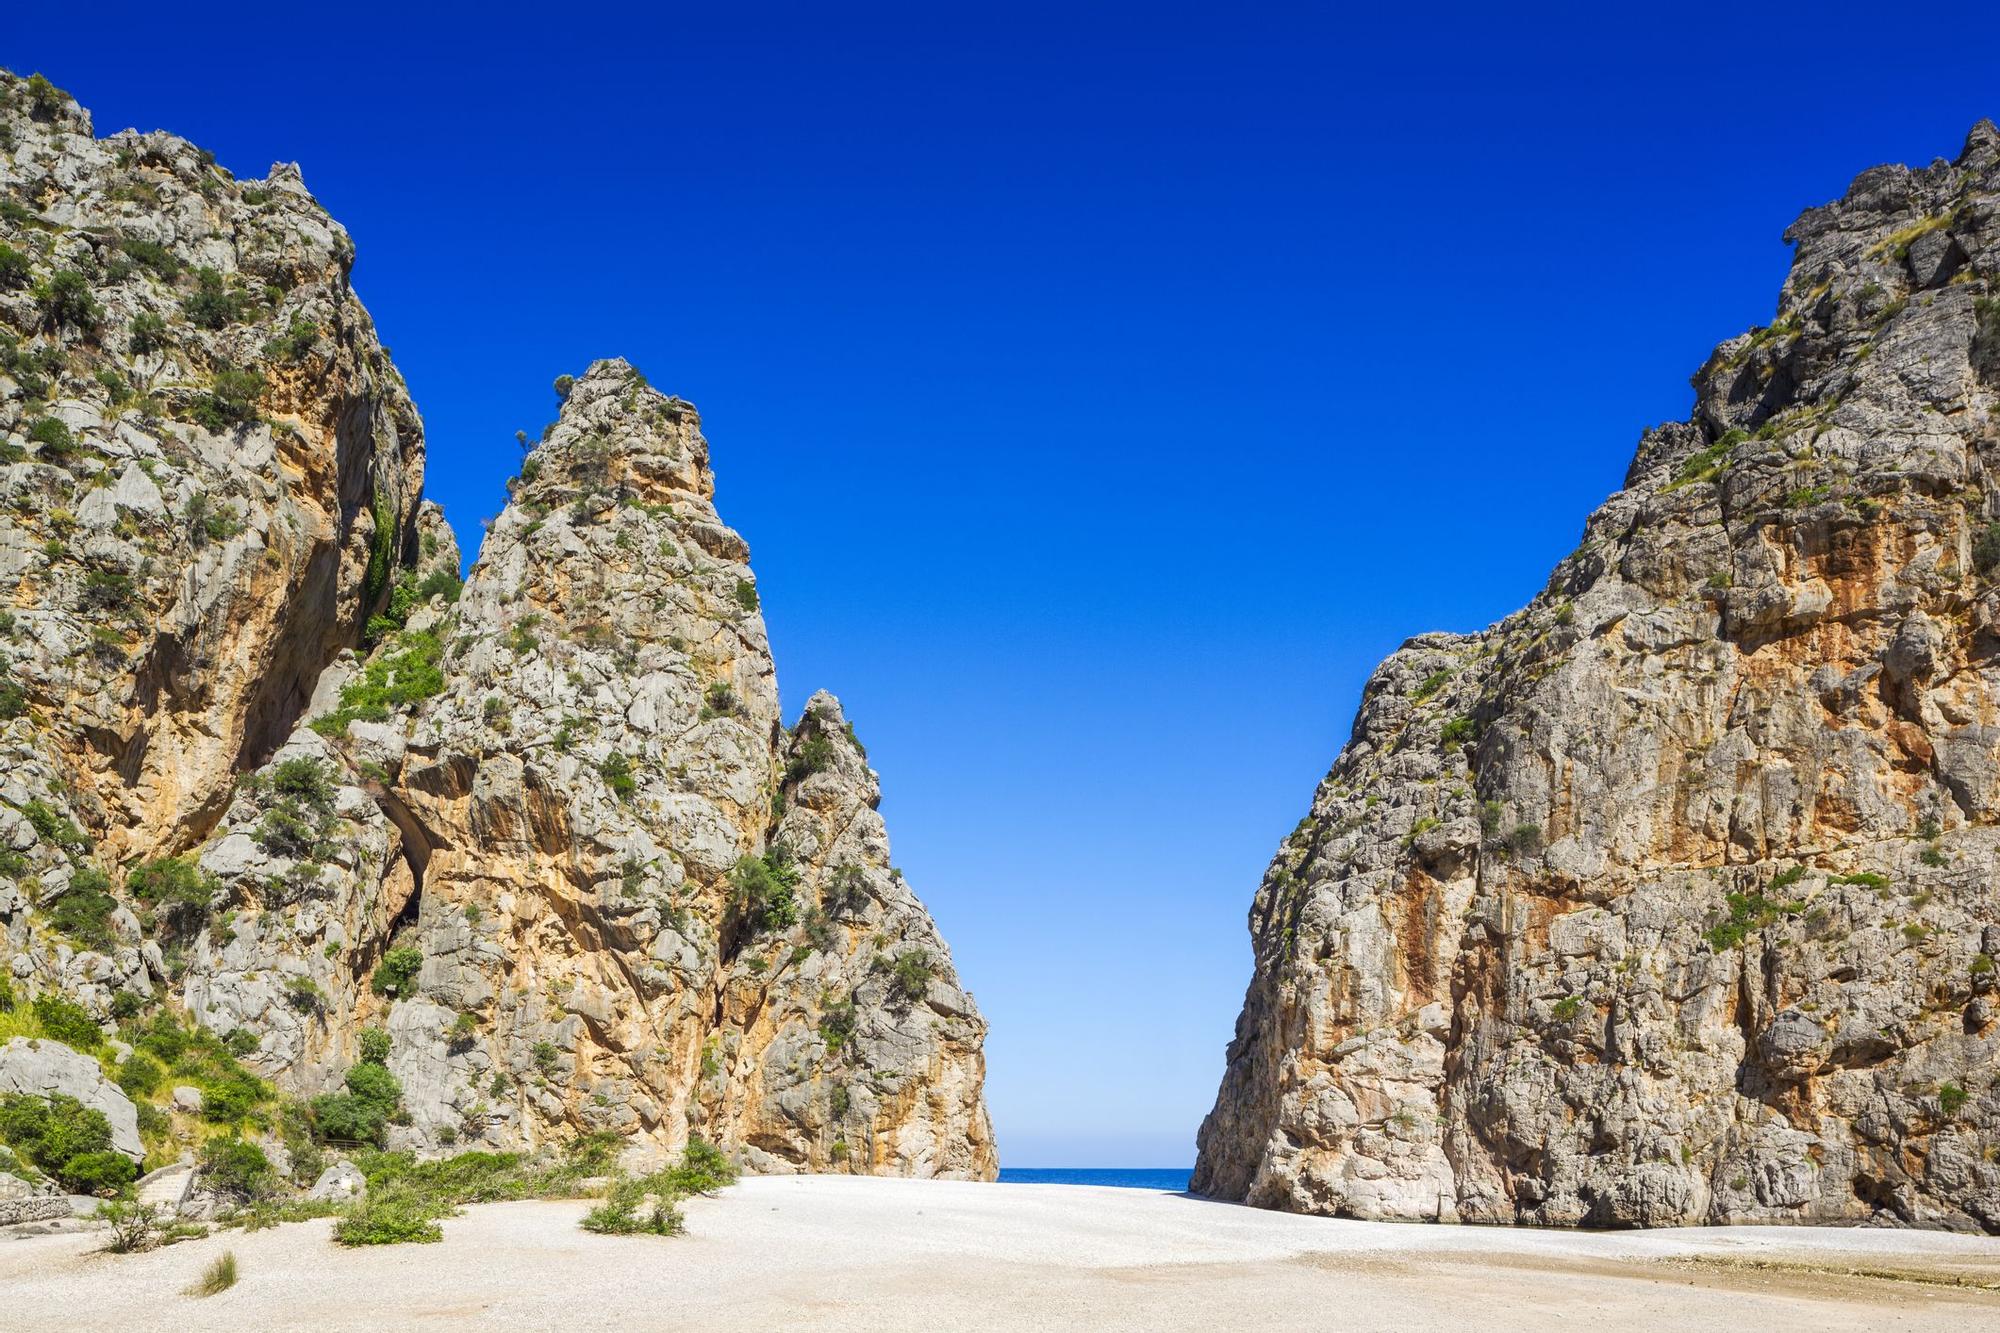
(1103,390)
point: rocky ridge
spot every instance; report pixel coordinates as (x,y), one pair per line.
(265,762)
(1671,898)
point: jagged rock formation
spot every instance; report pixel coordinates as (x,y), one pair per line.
(645,908)
(208,469)
(266,763)
(1671,898)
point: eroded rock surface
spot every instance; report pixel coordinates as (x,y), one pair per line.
(1672,898)
(646,908)
(264,761)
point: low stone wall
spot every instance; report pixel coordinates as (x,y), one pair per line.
(34,1208)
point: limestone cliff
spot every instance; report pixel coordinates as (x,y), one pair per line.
(646,907)
(208,471)
(261,758)
(1672,898)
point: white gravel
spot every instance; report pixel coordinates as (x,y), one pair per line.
(842,1252)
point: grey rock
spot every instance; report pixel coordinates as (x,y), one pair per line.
(339,1183)
(1668,899)
(43,1068)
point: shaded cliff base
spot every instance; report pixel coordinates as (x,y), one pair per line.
(854,1252)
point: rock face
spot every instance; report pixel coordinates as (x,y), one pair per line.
(261,760)
(645,908)
(208,472)
(51,1069)
(1672,898)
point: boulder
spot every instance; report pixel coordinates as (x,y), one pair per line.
(44,1068)
(339,1183)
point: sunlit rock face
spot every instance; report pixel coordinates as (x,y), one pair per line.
(1671,898)
(546,830)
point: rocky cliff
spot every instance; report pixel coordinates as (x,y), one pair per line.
(263,760)
(1672,897)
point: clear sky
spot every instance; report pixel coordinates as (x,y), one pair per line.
(1102,389)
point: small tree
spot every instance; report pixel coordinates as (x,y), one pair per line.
(66,302)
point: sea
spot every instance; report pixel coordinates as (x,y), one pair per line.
(1174,1178)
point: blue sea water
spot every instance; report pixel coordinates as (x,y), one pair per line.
(1131,1177)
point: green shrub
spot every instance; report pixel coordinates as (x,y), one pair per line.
(361,1114)
(102,1172)
(15,271)
(291,346)
(52,827)
(391,680)
(231,400)
(837,1022)
(632,1206)
(1952,1098)
(179,892)
(1748,912)
(238,1169)
(134,1226)
(66,1021)
(646,1204)
(388,1221)
(139,1075)
(1567,1008)
(1457,731)
(1986,549)
(13,701)
(283,832)
(374,1046)
(209,522)
(306,780)
(84,911)
(1867,879)
(108,590)
(65,1139)
(616,770)
(148,333)
(910,974)
(54,438)
(546,1057)
(409,593)
(746,594)
(1430,685)
(564,383)
(719,701)
(228,1097)
(66,302)
(151,255)
(44,98)
(763,891)
(702,1169)
(217,1278)
(210,305)
(397,970)
(814,755)
(845,893)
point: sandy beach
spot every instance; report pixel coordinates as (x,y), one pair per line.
(838,1252)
